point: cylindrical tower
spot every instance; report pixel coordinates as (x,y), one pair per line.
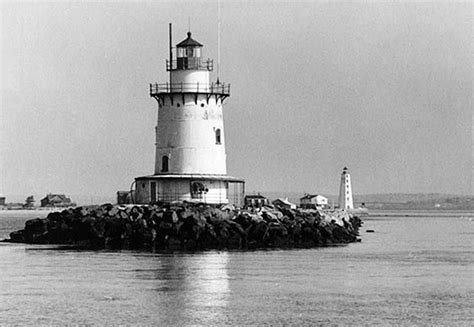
(190,159)
(345,191)
(190,128)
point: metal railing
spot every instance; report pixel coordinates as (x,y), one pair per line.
(234,195)
(190,63)
(209,88)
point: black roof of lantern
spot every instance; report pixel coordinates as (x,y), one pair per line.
(189,42)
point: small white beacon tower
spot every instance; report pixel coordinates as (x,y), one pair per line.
(345,191)
(190,156)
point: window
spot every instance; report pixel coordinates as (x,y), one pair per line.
(190,52)
(198,189)
(165,164)
(218,136)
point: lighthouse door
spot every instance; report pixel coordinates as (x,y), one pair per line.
(152,192)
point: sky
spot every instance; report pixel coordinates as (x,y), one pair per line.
(382,87)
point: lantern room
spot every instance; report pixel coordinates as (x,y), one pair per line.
(189,48)
(188,56)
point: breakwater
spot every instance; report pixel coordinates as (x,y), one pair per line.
(189,227)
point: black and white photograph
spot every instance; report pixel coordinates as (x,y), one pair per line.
(236,163)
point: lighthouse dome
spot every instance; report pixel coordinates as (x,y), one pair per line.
(188,42)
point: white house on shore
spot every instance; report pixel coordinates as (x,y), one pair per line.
(316,201)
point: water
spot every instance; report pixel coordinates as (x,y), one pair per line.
(414,270)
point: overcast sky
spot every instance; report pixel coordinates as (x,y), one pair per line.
(384,88)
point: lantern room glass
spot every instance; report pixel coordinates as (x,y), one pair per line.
(189,52)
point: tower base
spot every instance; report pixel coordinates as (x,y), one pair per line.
(203,188)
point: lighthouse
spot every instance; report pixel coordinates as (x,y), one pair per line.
(190,155)
(345,191)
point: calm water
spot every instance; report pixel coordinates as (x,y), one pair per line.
(414,270)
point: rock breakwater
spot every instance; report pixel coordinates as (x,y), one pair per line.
(189,227)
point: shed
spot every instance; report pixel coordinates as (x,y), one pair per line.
(124,197)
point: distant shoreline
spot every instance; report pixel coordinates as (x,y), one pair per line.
(373,213)
(25,211)
(419,213)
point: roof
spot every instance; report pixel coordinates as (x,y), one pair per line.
(223,178)
(311,196)
(56,197)
(255,197)
(189,42)
(285,201)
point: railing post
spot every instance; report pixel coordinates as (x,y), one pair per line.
(198,86)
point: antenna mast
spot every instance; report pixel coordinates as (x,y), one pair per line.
(171,57)
(218,39)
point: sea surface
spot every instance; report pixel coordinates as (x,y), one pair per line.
(416,268)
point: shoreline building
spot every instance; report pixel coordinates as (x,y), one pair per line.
(313,201)
(190,159)
(283,203)
(345,191)
(256,201)
(53,200)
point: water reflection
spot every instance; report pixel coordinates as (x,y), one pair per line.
(191,288)
(209,295)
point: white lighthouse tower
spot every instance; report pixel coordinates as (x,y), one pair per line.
(190,159)
(345,191)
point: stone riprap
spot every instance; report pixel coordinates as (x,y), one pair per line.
(189,227)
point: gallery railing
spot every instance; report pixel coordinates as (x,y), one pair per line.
(210,88)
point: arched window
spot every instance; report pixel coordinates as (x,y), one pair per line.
(218,136)
(165,164)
